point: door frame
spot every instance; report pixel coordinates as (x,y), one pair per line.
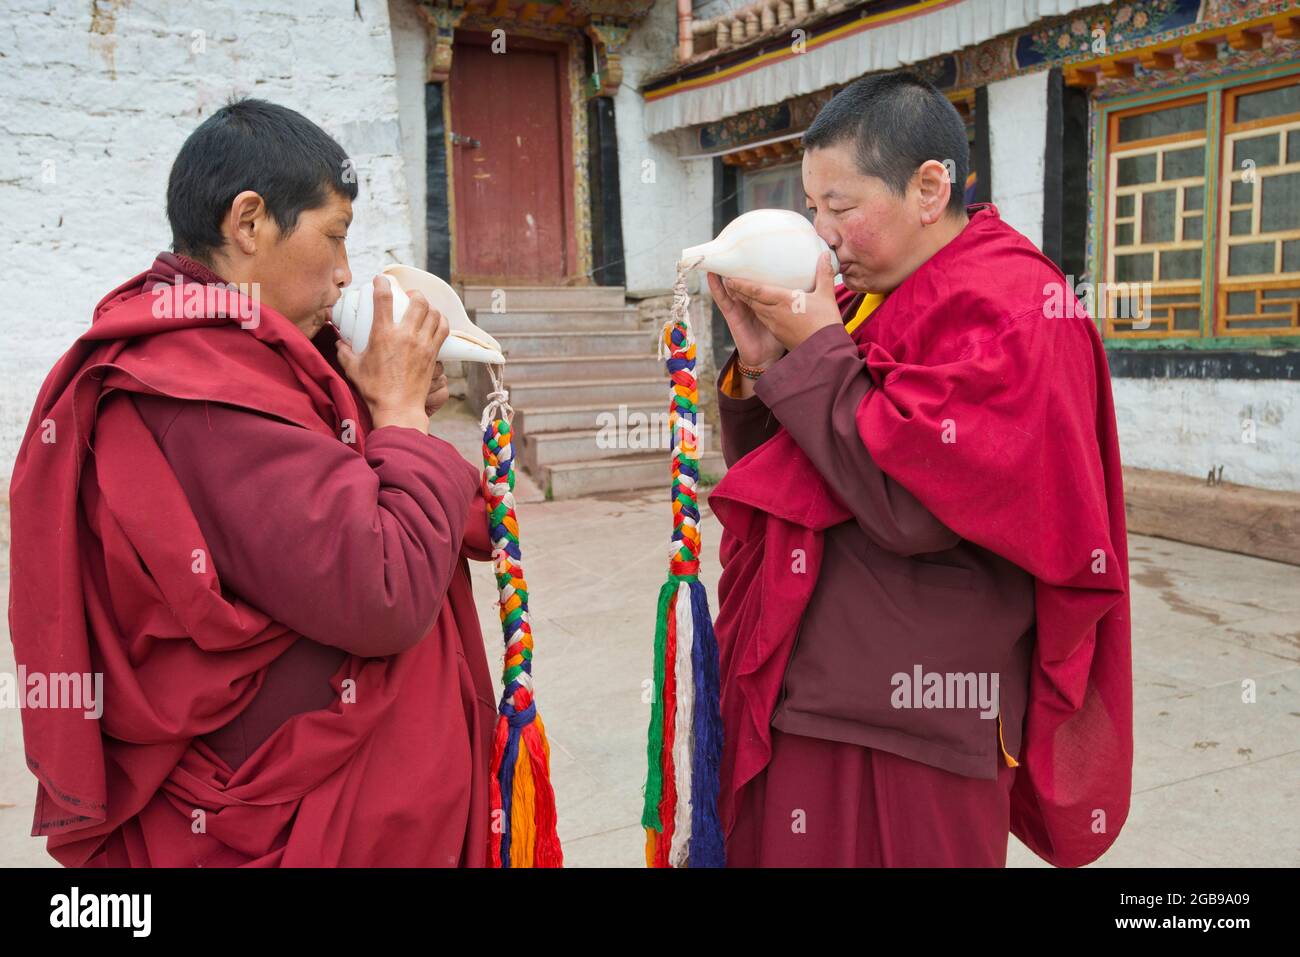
(563,52)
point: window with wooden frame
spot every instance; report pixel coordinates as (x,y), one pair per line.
(1259,227)
(1155,237)
(1159,237)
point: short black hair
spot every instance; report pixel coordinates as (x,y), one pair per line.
(897,122)
(251,144)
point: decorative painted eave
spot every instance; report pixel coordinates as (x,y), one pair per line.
(606,22)
(570,13)
(1193,43)
(838,47)
(748,26)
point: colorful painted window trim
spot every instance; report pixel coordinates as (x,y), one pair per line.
(1200,220)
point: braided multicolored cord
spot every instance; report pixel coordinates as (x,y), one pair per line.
(684,749)
(523,832)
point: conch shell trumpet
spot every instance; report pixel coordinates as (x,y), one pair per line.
(354,313)
(774,246)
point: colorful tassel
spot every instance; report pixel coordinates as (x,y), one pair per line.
(684,749)
(523,820)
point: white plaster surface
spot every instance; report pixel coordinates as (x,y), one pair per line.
(95,101)
(1017,141)
(1189,426)
(667,202)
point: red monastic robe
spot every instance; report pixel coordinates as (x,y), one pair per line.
(966,343)
(224,740)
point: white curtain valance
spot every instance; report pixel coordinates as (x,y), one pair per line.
(945,29)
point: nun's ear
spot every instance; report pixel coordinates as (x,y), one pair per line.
(246,222)
(935,187)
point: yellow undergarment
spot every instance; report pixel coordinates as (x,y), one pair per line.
(869,303)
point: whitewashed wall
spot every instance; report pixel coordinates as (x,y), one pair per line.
(667,202)
(411,55)
(704,9)
(1017,143)
(1189,426)
(96,99)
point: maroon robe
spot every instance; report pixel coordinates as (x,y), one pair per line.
(851,781)
(294,671)
(978,406)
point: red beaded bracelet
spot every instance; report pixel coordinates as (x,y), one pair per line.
(749,372)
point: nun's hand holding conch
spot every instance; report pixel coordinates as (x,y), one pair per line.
(790,315)
(396,370)
(439,392)
(755,344)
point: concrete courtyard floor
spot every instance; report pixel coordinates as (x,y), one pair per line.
(1216,780)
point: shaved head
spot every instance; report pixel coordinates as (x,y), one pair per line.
(894,122)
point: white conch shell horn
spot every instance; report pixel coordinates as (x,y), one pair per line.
(354,313)
(778,247)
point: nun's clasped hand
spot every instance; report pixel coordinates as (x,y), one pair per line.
(791,315)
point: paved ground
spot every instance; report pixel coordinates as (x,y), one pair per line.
(1216,780)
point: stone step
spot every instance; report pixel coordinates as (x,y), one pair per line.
(577,369)
(512,298)
(575,479)
(589,320)
(605,392)
(557,345)
(592,445)
(535,419)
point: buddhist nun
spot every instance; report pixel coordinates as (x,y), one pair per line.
(924,615)
(246,528)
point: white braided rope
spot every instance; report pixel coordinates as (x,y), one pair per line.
(685,446)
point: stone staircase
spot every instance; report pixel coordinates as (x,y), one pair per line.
(589,391)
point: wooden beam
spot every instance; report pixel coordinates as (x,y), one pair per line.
(1232,518)
(1117,69)
(1287,28)
(1245,40)
(1200,50)
(1156,59)
(964,102)
(1078,77)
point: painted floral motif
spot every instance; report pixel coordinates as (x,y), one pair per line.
(1126,21)
(1230,61)
(941,71)
(745,127)
(1214,8)
(990,59)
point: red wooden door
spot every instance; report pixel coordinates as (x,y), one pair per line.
(511,165)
